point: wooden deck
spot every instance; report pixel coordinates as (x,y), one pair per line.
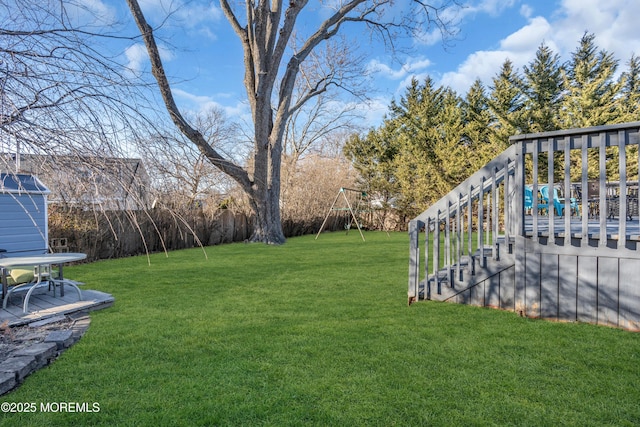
(44,305)
(578,268)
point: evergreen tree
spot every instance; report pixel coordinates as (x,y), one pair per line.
(506,105)
(457,154)
(478,130)
(591,90)
(591,99)
(542,89)
(416,165)
(629,108)
(373,157)
(629,101)
(433,156)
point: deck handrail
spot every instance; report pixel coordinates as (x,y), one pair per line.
(475,181)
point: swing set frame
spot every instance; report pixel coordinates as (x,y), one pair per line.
(343,191)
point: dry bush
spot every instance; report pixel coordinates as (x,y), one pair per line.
(308,190)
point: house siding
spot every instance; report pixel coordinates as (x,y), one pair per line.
(23,223)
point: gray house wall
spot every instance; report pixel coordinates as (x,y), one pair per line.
(23,215)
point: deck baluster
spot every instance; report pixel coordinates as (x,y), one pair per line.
(481,222)
(494,214)
(551,142)
(622,210)
(436,251)
(472,270)
(603,208)
(534,189)
(567,190)
(427,229)
(459,232)
(586,139)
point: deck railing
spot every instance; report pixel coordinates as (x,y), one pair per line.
(491,203)
(475,206)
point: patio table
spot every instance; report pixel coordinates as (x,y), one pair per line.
(41,264)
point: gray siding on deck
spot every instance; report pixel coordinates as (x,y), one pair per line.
(629,292)
(567,287)
(549,287)
(587,289)
(608,291)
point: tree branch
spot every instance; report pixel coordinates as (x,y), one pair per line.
(230,168)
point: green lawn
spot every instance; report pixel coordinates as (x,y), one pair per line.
(319,333)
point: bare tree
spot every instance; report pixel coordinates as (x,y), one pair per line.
(310,186)
(68,108)
(60,92)
(183,176)
(274,50)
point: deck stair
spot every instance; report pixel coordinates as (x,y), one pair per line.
(482,244)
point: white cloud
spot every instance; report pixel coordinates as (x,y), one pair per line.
(137,57)
(526,11)
(190,15)
(374,110)
(411,66)
(481,65)
(612,22)
(91,13)
(527,38)
(193,15)
(492,7)
(201,103)
(102,13)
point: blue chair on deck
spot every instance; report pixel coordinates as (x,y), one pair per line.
(528,201)
(558,203)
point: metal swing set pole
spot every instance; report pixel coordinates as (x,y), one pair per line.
(353,215)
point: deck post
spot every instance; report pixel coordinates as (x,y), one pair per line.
(414,260)
(459,236)
(427,225)
(471,265)
(567,190)
(518,191)
(447,237)
(496,223)
(481,222)
(508,214)
(436,252)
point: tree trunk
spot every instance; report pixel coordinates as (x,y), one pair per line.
(265,191)
(267,226)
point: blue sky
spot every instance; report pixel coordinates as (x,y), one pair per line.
(204,58)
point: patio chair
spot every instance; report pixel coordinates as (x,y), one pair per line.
(24,279)
(558,203)
(18,276)
(528,201)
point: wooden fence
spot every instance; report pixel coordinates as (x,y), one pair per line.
(116,234)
